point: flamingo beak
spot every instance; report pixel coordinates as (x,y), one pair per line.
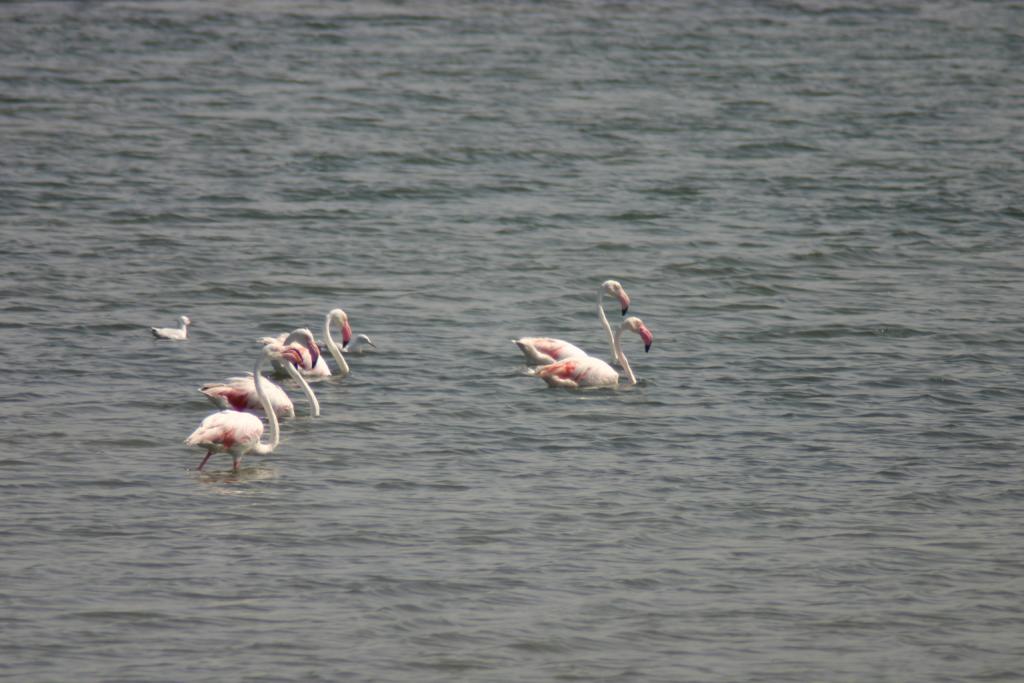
(314,354)
(292,356)
(346,333)
(648,338)
(624,302)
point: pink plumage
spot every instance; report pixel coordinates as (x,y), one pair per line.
(239,433)
(227,432)
(544,350)
(587,371)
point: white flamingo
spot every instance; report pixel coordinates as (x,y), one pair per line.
(179,333)
(336,315)
(545,350)
(239,393)
(229,431)
(586,371)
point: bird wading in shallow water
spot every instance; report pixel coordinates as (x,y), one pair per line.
(545,350)
(229,431)
(315,365)
(302,341)
(586,371)
(239,393)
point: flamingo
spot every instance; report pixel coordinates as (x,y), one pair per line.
(316,366)
(587,371)
(229,431)
(303,342)
(339,316)
(179,333)
(545,350)
(239,393)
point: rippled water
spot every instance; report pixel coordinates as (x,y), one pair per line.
(816,208)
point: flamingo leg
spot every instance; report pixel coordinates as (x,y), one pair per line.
(237,461)
(208,454)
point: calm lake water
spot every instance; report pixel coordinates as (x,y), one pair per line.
(816,207)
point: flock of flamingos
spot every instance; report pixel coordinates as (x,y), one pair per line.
(236,429)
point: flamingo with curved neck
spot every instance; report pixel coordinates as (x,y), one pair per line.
(545,350)
(303,342)
(239,393)
(237,433)
(339,316)
(587,371)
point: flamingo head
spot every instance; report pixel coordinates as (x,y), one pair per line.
(184,320)
(635,324)
(341,317)
(305,337)
(291,355)
(613,288)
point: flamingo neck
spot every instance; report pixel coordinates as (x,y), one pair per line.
(314,404)
(336,353)
(275,432)
(604,321)
(621,356)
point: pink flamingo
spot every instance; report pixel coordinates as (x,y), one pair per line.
(179,333)
(303,342)
(239,393)
(545,350)
(314,365)
(237,433)
(586,371)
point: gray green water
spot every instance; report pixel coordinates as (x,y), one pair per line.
(816,208)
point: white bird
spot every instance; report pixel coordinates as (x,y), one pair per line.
(229,431)
(179,333)
(357,344)
(587,371)
(239,393)
(544,350)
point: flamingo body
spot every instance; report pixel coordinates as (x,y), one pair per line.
(576,373)
(179,333)
(239,393)
(545,350)
(586,371)
(228,431)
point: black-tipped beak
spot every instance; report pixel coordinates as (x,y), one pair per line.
(647,348)
(625,310)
